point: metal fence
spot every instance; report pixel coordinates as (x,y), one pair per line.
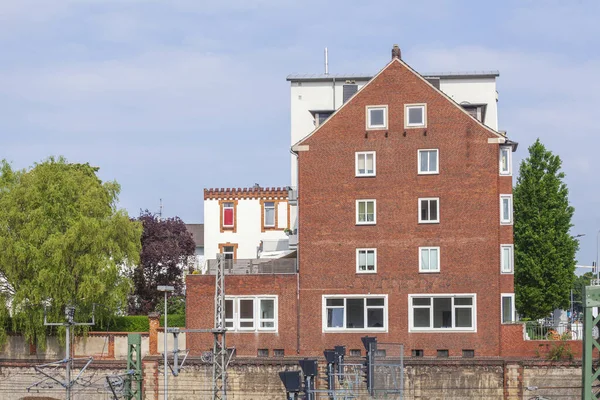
(535,330)
(256,266)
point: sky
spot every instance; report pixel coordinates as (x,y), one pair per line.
(169,97)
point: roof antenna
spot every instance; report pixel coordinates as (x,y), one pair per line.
(160,211)
(326,62)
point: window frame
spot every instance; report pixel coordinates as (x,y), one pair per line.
(407,107)
(228,244)
(508,171)
(324,309)
(431,329)
(421,221)
(223,227)
(256,317)
(512,259)
(274,207)
(504,221)
(374,222)
(437,154)
(369,126)
(429,248)
(365,154)
(513,311)
(366,271)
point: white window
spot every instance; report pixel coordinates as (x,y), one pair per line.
(269,213)
(429,210)
(365,163)
(506,209)
(251,313)
(428,161)
(506,258)
(364,313)
(450,312)
(509,313)
(429,259)
(505,160)
(415,115)
(365,212)
(366,260)
(377,117)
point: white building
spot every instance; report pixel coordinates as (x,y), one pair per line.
(246,223)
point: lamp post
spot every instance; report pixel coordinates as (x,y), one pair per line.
(166,289)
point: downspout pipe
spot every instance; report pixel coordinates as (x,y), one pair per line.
(297,262)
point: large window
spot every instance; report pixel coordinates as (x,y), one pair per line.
(429,259)
(506,258)
(506,209)
(355,313)
(251,313)
(365,163)
(365,212)
(415,116)
(454,312)
(366,260)
(429,210)
(508,308)
(376,117)
(428,162)
(505,160)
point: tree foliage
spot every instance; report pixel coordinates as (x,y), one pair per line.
(544,249)
(578,284)
(167,248)
(64,242)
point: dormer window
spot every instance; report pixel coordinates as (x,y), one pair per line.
(376,117)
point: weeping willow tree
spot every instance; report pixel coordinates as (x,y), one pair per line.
(63,242)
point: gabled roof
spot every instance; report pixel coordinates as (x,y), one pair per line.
(410,69)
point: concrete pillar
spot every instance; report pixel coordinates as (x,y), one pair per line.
(513,381)
(150,380)
(154,321)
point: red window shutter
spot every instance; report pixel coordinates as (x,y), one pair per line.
(228,217)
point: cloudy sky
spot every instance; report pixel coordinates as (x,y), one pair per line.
(171,96)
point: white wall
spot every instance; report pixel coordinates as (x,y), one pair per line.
(248,227)
(474,90)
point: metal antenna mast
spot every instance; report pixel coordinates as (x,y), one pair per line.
(68,360)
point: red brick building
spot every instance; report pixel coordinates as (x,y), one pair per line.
(404,231)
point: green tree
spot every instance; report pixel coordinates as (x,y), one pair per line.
(64,242)
(544,249)
(578,284)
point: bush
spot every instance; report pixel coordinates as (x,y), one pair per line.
(174,320)
(130,323)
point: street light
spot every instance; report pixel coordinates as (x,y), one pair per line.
(166,289)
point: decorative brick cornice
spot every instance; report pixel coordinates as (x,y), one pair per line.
(246,193)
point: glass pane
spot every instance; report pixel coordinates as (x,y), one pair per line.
(375,302)
(376,117)
(267,309)
(247,324)
(504,160)
(425,259)
(415,115)
(424,161)
(370,260)
(424,213)
(463,301)
(228,324)
(442,312)
(355,313)
(269,216)
(361,211)
(246,309)
(507,309)
(433,259)
(433,210)
(464,318)
(335,302)
(506,261)
(433,161)
(362,260)
(267,324)
(419,301)
(361,163)
(505,209)
(375,318)
(335,318)
(228,216)
(421,317)
(228,309)
(369,163)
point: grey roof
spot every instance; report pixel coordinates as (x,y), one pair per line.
(197,231)
(366,77)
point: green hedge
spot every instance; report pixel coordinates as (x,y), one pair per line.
(174,320)
(130,323)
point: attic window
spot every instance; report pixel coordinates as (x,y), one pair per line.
(415,116)
(348,91)
(376,117)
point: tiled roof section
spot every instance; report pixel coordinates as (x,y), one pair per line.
(197,231)
(246,193)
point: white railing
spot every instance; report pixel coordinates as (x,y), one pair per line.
(553,331)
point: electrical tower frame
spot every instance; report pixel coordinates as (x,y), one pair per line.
(590,373)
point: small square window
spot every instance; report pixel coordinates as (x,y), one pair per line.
(366,260)
(429,210)
(380,353)
(418,353)
(505,160)
(278,353)
(428,162)
(377,117)
(365,163)
(443,353)
(506,259)
(506,211)
(263,353)
(468,353)
(415,116)
(365,212)
(355,353)
(429,259)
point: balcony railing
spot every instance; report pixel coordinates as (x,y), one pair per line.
(253,266)
(553,331)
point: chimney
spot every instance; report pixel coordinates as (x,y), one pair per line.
(396,52)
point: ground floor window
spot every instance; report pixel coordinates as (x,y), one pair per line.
(454,312)
(251,313)
(354,313)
